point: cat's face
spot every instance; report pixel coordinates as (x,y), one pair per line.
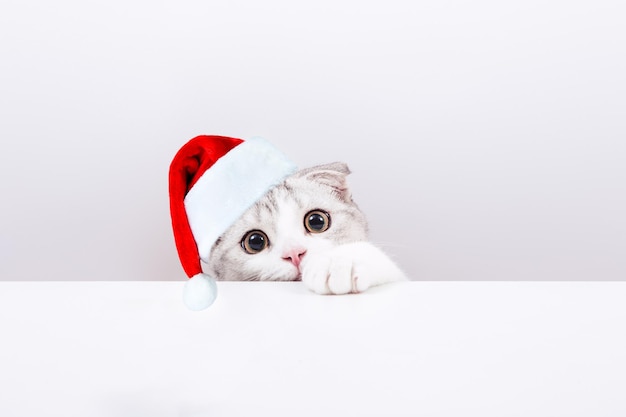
(310,210)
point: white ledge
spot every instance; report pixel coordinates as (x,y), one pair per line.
(415,348)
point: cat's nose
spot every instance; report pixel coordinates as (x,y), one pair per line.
(294,255)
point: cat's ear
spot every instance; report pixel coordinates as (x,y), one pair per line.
(332,175)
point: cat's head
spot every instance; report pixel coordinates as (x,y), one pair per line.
(311,210)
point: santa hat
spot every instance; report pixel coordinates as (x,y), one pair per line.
(212,181)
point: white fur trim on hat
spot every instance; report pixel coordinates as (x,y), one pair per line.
(233,184)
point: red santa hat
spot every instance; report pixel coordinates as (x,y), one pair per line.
(213,180)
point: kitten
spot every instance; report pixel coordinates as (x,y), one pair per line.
(307,228)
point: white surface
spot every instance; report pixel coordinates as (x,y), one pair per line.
(273,349)
(486,138)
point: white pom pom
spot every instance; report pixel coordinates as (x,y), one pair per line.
(199,292)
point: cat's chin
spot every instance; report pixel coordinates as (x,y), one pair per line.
(296,276)
(283,279)
(291,278)
(284,275)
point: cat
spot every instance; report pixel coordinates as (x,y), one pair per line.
(306,228)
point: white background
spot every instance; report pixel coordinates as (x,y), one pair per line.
(487,139)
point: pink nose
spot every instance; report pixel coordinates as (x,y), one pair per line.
(294,255)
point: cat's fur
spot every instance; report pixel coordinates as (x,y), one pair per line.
(337,261)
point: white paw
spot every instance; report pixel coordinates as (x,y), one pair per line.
(333,273)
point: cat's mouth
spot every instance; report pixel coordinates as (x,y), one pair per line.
(298,274)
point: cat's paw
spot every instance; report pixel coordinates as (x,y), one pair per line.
(348,268)
(332,273)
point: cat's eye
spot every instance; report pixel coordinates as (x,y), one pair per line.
(254,241)
(317,221)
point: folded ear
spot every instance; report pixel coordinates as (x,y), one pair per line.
(332,175)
